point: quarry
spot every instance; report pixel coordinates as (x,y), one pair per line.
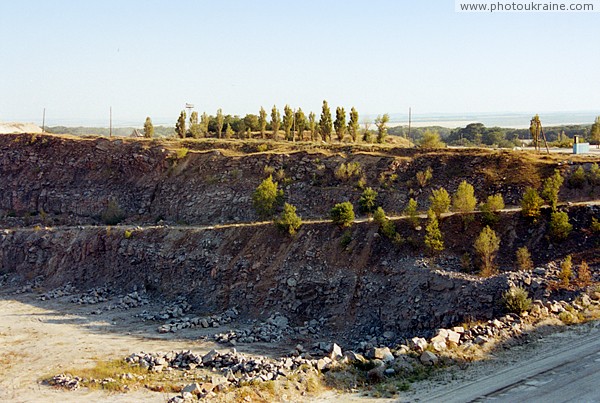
(148,257)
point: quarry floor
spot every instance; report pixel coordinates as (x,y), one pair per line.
(42,338)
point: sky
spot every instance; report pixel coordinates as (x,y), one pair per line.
(144,58)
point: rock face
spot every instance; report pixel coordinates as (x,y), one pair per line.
(370,287)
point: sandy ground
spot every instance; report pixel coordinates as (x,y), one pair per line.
(40,338)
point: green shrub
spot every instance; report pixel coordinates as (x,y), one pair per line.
(347,171)
(127,234)
(386,227)
(464,201)
(551,188)
(288,221)
(440,201)
(342,214)
(368,201)
(524,262)
(594,175)
(423,177)
(584,276)
(181,153)
(490,208)
(595,227)
(113,214)
(566,271)
(434,240)
(516,300)
(531,204)
(346,239)
(487,245)
(578,178)
(267,197)
(411,212)
(560,228)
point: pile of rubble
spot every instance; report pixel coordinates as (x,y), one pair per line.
(92,296)
(175,309)
(210,321)
(275,328)
(65,381)
(65,290)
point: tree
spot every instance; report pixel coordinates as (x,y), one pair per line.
(431,139)
(531,203)
(220,122)
(584,276)
(251,122)
(464,201)
(381,123)
(551,188)
(486,246)
(353,125)
(266,197)
(195,130)
(440,201)
(578,178)
(148,128)
(288,221)
(367,138)
(340,123)
(434,240)
(325,125)
(262,122)
(228,131)
(300,123)
(204,122)
(566,271)
(180,125)
(524,262)
(275,121)
(342,214)
(312,126)
(492,205)
(560,227)
(367,201)
(411,212)
(288,121)
(386,227)
(595,132)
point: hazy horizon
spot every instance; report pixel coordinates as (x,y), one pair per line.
(148,58)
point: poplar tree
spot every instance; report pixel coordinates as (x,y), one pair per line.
(325,125)
(220,121)
(148,128)
(312,126)
(353,125)
(262,122)
(340,123)
(381,123)
(180,125)
(300,123)
(288,121)
(275,121)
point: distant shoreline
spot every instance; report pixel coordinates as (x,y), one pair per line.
(449,120)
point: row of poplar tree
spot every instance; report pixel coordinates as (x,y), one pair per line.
(296,126)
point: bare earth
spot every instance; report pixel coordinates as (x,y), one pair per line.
(39,339)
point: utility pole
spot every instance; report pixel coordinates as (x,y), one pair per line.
(44,121)
(110,124)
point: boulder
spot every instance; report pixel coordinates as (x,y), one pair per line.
(336,352)
(428,358)
(418,344)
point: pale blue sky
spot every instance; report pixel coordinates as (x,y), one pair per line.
(77,58)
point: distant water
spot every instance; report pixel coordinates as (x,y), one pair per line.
(451,120)
(510,120)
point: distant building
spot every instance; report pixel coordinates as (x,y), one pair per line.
(137,133)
